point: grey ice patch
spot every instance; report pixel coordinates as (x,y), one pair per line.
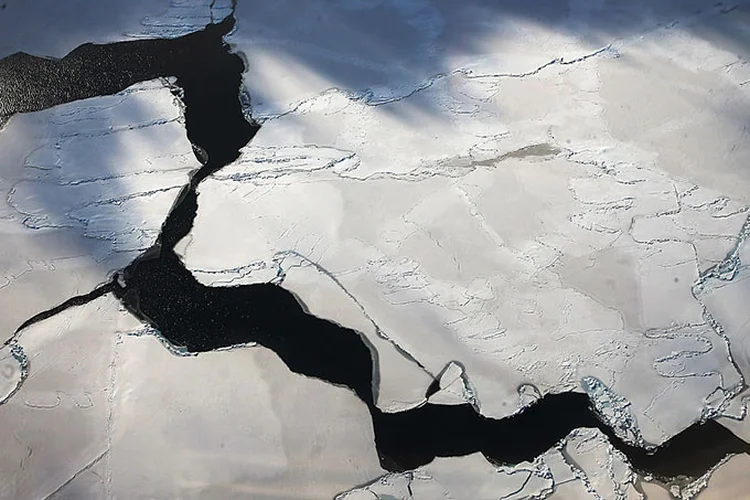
(533,151)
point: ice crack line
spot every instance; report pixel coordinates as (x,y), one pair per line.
(369,98)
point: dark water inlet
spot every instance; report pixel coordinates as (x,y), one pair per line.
(202,318)
(158,289)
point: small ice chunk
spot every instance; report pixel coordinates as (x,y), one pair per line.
(528,394)
(455,388)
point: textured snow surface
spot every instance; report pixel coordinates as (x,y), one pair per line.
(53,29)
(511,198)
(511,218)
(86,187)
(107,411)
(585,466)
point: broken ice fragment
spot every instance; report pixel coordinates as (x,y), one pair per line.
(453,387)
(614,410)
(13,370)
(528,394)
(603,469)
(464,478)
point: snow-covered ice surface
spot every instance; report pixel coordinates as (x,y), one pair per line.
(86,187)
(507,199)
(234,424)
(584,466)
(497,204)
(53,29)
(108,412)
